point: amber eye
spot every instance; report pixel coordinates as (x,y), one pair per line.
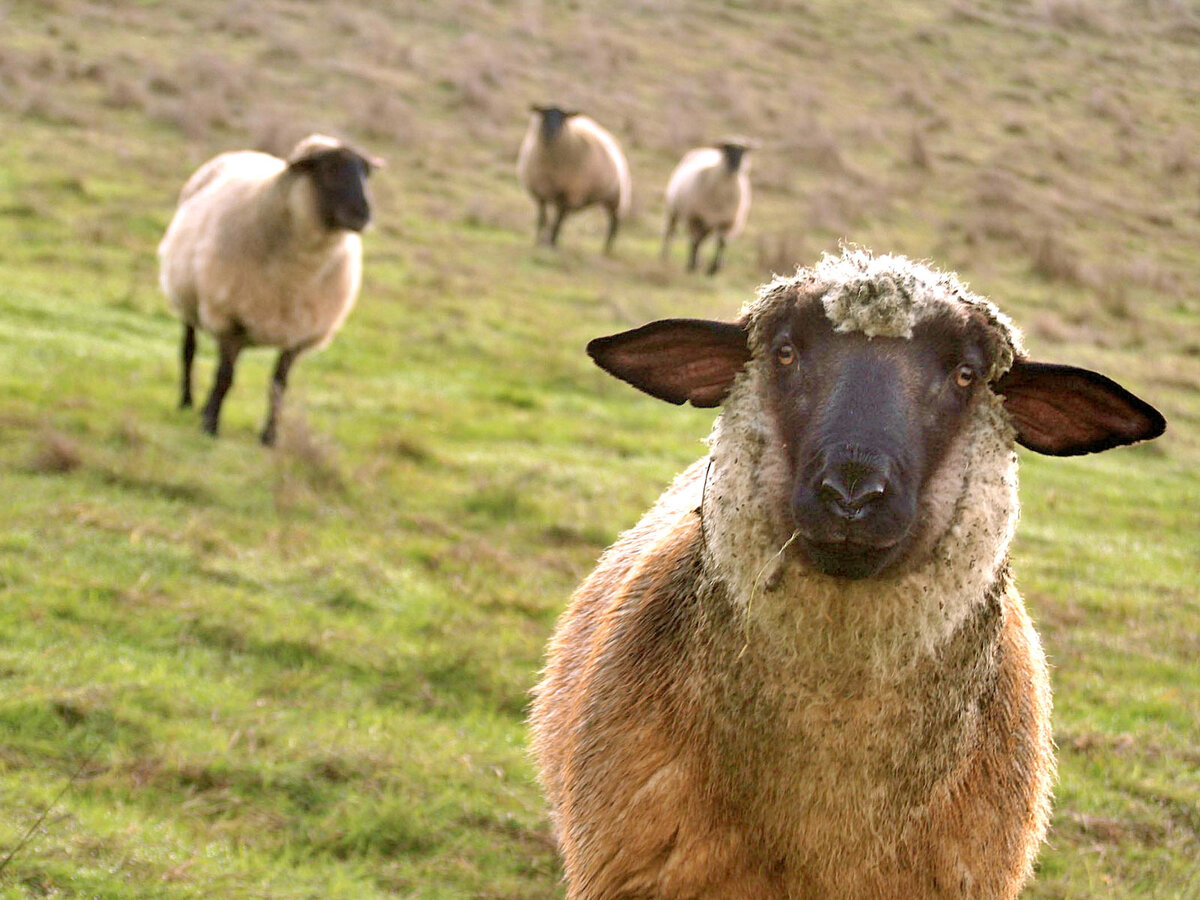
(964,376)
(786,355)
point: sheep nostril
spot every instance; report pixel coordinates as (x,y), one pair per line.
(850,498)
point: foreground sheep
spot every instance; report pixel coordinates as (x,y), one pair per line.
(264,251)
(710,191)
(807,672)
(570,162)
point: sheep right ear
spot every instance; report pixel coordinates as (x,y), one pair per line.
(677,360)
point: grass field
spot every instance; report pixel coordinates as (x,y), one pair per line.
(234,672)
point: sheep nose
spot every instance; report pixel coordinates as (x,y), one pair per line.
(850,490)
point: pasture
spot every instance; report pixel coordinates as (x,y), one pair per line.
(302,672)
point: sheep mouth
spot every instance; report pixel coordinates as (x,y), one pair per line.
(848,559)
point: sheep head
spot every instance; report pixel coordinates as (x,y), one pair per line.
(336,176)
(865,390)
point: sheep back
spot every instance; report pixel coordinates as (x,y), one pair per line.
(245,251)
(582,166)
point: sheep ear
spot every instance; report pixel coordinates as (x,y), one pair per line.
(1066,411)
(677,360)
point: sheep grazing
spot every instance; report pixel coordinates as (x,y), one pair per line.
(807,671)
(264,251)
(710,191)
(570,162)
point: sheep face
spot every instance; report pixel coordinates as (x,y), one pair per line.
(853,397)
(553,119)
(863,424)
(338,176)
(733,155)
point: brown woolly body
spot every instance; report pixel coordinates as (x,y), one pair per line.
(824,778)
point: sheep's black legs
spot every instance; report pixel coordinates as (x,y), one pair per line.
(541,222)
(691,266)
(187,354)
(560,213)
(718,255)
(229,346)
(667,236)
(278,386)
(613,223)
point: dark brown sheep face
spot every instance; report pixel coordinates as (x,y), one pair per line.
(339,177)
(733,154)
(553,120)
(864,423)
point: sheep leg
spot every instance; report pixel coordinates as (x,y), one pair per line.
(717,256)
(695,249)
(228,346)
(187,354)
(613,223)
(668,235)
(278,386)
(541,222)
(560,213)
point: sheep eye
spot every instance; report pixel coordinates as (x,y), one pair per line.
(964,376)
(786,355)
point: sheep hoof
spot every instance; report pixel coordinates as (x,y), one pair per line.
(267,438)
(185,403)
(209,426)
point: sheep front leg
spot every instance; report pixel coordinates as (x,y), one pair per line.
(228,346)
(187,354)
(560,213)
(717,255)
(278,386)
(541,222)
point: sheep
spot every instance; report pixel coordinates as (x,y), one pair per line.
(710,191)
(569,161)
(266,252)
(807,671)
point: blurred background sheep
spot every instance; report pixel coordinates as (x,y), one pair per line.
(266,252)
(710,191)
(569,162)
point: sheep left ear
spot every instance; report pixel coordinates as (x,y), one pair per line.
(677,360)
(1067,411)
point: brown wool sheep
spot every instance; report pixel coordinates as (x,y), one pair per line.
(568,161)
(266,252)
(807,672)
(710,191)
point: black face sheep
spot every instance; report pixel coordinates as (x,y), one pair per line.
(710,191)
(265,251)
(570,162)
(807,672)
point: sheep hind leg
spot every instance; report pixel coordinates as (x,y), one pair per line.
(228,346)
(278,386)
(613,224)
(187,353)
(718,256)
(668,235)
(541,222)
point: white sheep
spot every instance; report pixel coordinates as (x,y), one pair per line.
(807,671)
(266,252)
(710,191)
(568,161)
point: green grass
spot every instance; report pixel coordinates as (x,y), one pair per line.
(303,673)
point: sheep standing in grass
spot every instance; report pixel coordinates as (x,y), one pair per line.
(264,251)
(570,162)
(807,671)
(710,191)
